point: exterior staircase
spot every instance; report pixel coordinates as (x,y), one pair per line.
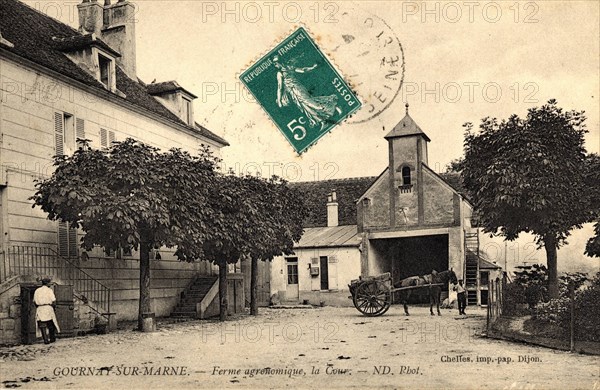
(45,261)
(196,298)
(472,267)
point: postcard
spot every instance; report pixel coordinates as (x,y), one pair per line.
(299,194)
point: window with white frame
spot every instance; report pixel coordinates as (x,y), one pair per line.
(67,129)
(106,73)
(187,113)
(107,137)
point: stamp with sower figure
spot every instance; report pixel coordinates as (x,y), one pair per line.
(300,90)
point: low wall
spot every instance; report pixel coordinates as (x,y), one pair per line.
(329,298)
(10,310)
(511,329)
(85,318)
(168,278)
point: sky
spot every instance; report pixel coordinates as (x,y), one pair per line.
(462,61)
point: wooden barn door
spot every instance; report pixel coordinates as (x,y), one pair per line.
(64,309)
(27,315)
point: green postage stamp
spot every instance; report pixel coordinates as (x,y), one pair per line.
(300,90)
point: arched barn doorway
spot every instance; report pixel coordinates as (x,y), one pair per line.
(410,256)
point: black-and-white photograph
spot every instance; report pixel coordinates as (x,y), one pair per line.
(299,194)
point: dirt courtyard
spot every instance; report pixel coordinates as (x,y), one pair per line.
(300,348)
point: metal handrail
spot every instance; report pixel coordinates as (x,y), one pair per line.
(45,261)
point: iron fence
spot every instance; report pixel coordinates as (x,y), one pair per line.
(45,261)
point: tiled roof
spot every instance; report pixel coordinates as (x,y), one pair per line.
(78,42)
(406,127)
(166,86)
(347,190)
(484,263)
(455,181)
(32,33)
(335,236)
(209,134)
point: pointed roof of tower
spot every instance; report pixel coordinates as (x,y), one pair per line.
(406,127)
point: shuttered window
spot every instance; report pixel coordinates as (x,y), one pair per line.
(59,133)
(107,137)
(103,138)
(66,130)
(73,244)
(63,239)
(68,246)
(79,131)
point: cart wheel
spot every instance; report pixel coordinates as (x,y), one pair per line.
(372,298)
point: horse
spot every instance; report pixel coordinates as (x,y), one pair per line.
(434,292)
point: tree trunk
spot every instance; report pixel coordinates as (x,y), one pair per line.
(254,287)
(222,292)
(551,259)
(145,317)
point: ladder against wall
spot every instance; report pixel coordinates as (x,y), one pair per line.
(472,267)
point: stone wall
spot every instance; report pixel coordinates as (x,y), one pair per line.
(343,266)
(375,212)
(10,312)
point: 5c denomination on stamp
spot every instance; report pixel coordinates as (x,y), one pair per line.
(300,90)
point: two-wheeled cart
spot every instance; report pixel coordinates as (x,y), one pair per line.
(373,295)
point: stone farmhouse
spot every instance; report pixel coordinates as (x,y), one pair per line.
(59,84)
(407,221)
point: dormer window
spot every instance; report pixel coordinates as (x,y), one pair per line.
(177,99)
(186,114)
(92,55)
(105,70)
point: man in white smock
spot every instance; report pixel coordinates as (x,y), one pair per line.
(45,301)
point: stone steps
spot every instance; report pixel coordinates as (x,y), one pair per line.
(192,296)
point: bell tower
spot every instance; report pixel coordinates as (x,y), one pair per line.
(407,145)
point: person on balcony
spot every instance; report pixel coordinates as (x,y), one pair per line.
(45,301)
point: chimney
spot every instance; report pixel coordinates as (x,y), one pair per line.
(332,210)
(119,33)
(90,17)
(114,24)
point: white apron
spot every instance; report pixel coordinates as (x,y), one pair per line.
(43,298)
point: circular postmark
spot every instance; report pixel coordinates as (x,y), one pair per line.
(371,58)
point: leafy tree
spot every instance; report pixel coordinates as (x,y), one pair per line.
(276,227)
(533,281)
(593,188)
(455,165)
(575,279)
(131,195)
(255,218)
(234,214)
(528,175)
